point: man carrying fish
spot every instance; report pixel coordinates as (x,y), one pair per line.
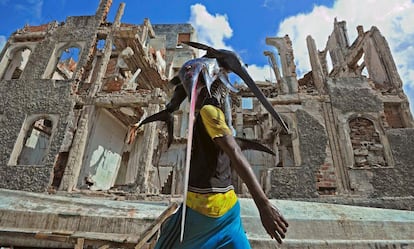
(210,215)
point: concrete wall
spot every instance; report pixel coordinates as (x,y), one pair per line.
(349,98)
(397,180)
(32,95)
(295,182)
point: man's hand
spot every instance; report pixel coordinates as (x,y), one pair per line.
(273,221)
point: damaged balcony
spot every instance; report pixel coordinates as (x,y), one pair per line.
(143,58)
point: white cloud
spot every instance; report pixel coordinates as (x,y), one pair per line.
(393,18)
(214,30)
(260,73)
(211,29)
(3,40)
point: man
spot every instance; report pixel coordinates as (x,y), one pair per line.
(213,212)
(212,218)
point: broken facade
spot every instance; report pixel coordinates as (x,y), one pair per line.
(71,91)
(351,119)
(76,87)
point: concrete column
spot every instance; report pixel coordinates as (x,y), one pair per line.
(146,169)
(281,83)
(317,70)
(103,9)
(284,46)
(239,121)
(337,44)
(75,160)
(107,51)
(387,61)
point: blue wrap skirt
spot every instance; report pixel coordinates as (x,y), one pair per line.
(203,232)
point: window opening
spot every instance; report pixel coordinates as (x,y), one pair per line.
(329,63)
(100,45)
(393,115)
(247,103)
(361,68)
(66,66)
(36,143)
(366,144)
(285,151)
(183,37)
(17,64)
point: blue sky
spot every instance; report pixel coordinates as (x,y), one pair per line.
(243,25)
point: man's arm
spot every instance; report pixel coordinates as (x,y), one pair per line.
(272,219)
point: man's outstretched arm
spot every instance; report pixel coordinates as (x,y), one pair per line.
(272,220)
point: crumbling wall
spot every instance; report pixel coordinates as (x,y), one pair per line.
(32,94)
(176,54)
(353,94)
(362,105)
(24,98)
(300,182)
(396,180)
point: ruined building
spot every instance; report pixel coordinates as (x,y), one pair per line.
(70,92)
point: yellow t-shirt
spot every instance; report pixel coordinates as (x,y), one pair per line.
(214,121)
(213,204)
